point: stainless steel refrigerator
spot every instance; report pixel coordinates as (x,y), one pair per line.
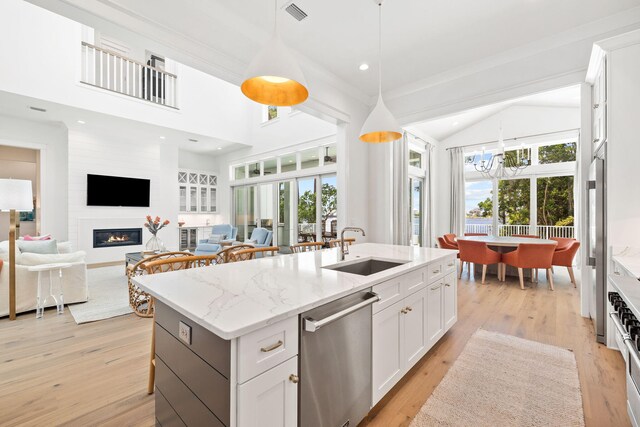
(597,246)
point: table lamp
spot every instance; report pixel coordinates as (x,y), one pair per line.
(15,196)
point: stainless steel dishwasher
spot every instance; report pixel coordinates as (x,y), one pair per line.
(335,362)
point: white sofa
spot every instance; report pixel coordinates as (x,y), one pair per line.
(74,278)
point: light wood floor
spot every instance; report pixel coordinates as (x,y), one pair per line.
(54,372)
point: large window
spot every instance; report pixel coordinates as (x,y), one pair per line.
(417,203)
(539,200)
(479,206)
(514,207)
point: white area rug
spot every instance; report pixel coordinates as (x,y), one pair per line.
(502,380)
(108,295)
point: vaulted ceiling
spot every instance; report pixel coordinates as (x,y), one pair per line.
(422,39)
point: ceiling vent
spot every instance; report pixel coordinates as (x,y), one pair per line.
(42,110)
(295,11)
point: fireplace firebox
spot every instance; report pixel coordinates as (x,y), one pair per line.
(107,238)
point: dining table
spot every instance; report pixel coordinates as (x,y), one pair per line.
(504,244)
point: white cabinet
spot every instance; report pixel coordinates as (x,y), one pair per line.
(415,342)
(270,399)
(198,191)
(599,106)
(435,321)
(407,324)
(450,302)
(388,349)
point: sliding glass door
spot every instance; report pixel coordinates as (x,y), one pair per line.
(286,232)
(307,221)
(295,210)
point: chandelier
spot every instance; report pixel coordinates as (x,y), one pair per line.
(504,164)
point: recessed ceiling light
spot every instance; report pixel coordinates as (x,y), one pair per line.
(313,157)
(162,137)
(290,161)
(81,122)
(455,124)
(364,67)
(219,148)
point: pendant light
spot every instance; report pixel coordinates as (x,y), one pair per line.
(274,76)
(380,126)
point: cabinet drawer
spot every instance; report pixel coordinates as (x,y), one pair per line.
(414,281)
(188,407)
(211,348)
(390,292)
(207,384)
(434,271)
(449,265)
(263,349)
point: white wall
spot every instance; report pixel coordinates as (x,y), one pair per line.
(109,152)
(516,121)
(42,59)
(51,140)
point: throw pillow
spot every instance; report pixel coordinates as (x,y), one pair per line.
(216,238)
(38,246)
(250,242)
(65,248)
(30,238)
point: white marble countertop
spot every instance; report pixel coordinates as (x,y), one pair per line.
(629,259)
(234,299)
(629,290)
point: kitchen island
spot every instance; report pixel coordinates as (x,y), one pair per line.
(227,336)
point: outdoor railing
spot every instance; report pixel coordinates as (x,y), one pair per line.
(542,231)
(108,70)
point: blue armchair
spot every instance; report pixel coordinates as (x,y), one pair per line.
(230,232)
(262,237)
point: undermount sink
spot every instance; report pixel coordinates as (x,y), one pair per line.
(365,267)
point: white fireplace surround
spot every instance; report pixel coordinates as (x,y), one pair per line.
(108,254)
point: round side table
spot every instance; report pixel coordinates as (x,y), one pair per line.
(59,299)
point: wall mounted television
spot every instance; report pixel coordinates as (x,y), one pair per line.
(104,190)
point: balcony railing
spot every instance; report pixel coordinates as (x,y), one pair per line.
(542,231)
(108,70)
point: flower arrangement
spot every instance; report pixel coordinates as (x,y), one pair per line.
(155,225)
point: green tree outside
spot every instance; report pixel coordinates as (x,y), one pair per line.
(554,198)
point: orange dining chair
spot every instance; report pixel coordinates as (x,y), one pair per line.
(475,234)
(563,242)
(564,258)
(443,244)
(478,253)
(450,238)
(531,255)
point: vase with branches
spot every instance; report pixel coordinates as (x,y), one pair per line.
(154,225)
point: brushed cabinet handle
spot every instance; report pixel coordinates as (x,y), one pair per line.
(596,140)
(294,378)
(450,265)
(271,347)
(409,309)
(447,284)
(403,311)
(436,271)
(596,106)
